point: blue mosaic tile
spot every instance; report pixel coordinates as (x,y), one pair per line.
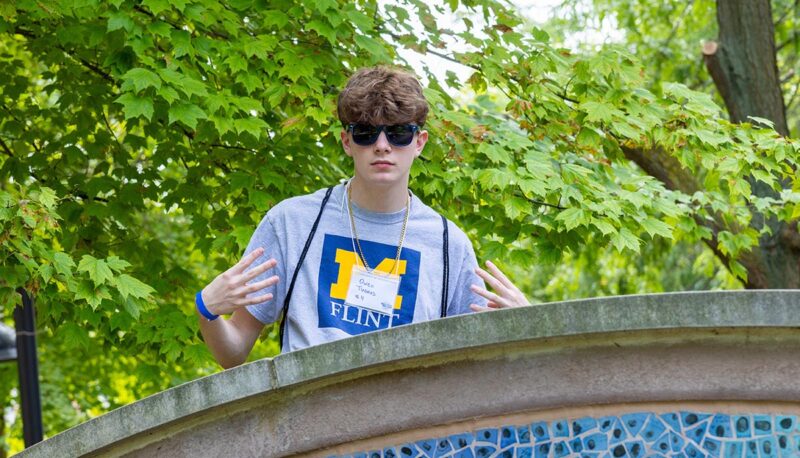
(634,422)
(508,453)
(721,426)
(560,449)
(561,429)
(693,452)
(389,453)
(484,451)
(374,454)
(712,446)
(796,442)
(487,435)
(697,433)
(583,425)
(466,453)
(618,433)
(523,435)
(597,441)
(606,423)
(733,450)
(676,442)
(751,449)
(785,424)
(459,441)
(542,450)
(540,431)
(635,449)
(524,452)
(762,425)
(360,455)
(508,436)
(654,429)
(661,444)
(443,447)
(767,448)
(576,445)
(427,447)
(689,419)
(672,420)
(408,451)
(742,427)
(785,446)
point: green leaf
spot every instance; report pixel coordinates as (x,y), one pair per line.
(47,197)
(117,264)
(598,111)
(253,126)
(96,268)
(625,239)
(141,78)
(187,113)
(323,29)
(156,6)
(63,263)
(120,20)
(516,207)
(134,106)
(655,227)
(572,217)
(130,286)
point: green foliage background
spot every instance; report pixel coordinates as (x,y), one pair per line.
(142,141)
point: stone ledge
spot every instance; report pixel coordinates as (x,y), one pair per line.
(427,343)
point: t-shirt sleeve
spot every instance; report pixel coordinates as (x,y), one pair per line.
(266,237)
(463,269)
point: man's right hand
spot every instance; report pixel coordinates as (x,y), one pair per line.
(228,292)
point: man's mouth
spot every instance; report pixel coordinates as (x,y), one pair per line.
(382,163)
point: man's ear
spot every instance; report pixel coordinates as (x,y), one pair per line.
(346,143)
(419,144)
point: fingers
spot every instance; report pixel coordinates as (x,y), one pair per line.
(497,273)
(492,281)
(259,269)
(498,300)
(245,262)
(256,300)
(479,308)
(258,286)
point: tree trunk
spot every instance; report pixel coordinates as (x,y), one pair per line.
(744,69)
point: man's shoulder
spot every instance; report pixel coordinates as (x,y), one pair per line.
(298,207)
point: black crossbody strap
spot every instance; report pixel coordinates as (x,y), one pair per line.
(285,311)
(446,268)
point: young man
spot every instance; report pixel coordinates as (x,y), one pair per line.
(359,256)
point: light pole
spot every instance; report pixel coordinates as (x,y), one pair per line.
(22,349)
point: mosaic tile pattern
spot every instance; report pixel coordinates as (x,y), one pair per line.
(636,435)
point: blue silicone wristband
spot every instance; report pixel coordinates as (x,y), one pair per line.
(201,307)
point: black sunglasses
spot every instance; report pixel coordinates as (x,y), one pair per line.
(398,135)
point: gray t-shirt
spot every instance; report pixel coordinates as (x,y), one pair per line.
(317,312)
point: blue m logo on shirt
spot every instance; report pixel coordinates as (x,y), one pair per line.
(335,269)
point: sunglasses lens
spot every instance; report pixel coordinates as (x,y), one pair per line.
(364,134)
(401,135)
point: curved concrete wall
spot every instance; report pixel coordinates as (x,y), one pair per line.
(693,374)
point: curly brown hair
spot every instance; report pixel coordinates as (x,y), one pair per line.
(382,95)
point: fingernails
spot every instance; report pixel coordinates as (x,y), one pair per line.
(489,263)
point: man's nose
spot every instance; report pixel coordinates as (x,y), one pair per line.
(382,143)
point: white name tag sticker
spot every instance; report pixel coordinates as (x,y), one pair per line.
(372,290)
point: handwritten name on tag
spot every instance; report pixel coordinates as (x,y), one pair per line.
(372,290)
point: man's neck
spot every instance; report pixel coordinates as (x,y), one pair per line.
(379,199)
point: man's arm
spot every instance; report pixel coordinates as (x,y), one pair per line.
(230,341)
